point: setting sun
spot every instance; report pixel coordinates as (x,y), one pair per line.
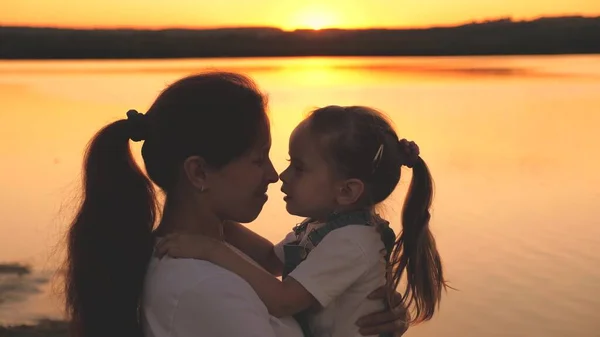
(317,21)
(316,17)
(285,14)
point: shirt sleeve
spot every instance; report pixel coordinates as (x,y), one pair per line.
(221,307)
(338,261)
(278,248)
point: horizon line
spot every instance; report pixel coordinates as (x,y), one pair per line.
(433,26)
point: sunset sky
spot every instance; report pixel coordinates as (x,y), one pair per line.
(286,14)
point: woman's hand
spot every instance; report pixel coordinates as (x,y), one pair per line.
(192,246)
(393,321)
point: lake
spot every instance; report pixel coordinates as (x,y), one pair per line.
(512,143)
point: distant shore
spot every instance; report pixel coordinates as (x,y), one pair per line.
(46,328)
(550,36)
(43,328)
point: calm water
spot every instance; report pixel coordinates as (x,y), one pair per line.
(512,143)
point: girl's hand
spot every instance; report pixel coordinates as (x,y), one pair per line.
(192,246)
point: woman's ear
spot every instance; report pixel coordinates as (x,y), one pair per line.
(350,191)
(195,170)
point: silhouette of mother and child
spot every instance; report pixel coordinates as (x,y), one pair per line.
(191,269)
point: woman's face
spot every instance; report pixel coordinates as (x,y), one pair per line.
(238,190)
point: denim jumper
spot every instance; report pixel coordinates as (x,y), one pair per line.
(294,253)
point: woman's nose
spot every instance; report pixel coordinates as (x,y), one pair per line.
(272,176)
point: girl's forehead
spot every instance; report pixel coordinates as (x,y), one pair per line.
(306,145)
(300,138)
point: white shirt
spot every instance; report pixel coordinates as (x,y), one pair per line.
(340,272)
(194,298)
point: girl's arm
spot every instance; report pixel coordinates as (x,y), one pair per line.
(253,245)
(282,298)
(209,308)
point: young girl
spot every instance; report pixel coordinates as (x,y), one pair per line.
(343,162)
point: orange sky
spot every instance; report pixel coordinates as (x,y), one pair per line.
(287,14)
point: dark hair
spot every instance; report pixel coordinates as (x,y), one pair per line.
(218,116)
(352,137)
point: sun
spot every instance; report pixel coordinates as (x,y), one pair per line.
(317,21)
(315,18)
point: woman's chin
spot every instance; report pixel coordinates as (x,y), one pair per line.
(250,214)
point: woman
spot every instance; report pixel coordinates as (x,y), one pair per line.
(207,142)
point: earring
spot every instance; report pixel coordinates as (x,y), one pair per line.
(202,189)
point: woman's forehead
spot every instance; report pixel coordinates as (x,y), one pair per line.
(263,141)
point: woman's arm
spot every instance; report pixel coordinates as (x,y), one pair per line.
(282,298)
(253,245)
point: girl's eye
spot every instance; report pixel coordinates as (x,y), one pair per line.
(295,166)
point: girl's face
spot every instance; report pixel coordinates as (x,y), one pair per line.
(309,184)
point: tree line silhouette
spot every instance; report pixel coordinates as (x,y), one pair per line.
(558,35)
